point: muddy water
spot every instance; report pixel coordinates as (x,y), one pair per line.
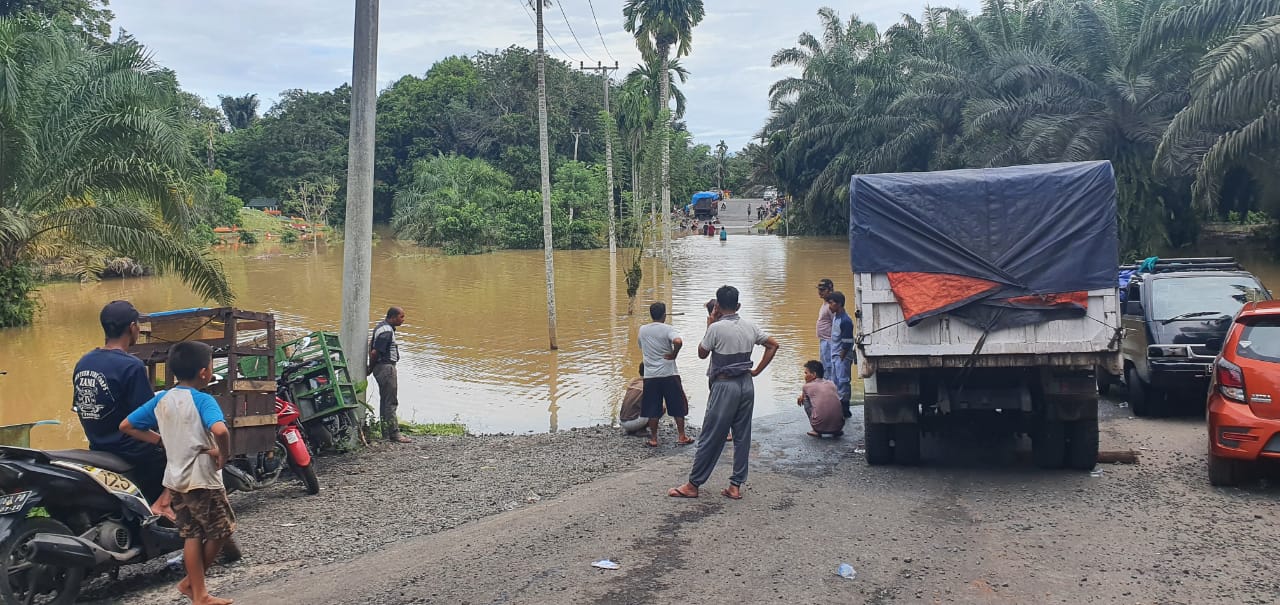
(474,346)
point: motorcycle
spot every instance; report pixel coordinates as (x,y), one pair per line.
(68,513)
(246,474)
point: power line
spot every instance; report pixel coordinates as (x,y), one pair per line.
(571,32)
(546,31)
(593,18)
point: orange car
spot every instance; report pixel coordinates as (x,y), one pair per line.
(1244,397)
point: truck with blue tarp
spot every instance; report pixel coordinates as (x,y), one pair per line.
(705,205)
(985,298)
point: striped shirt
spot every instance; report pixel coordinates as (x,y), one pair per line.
(731,341)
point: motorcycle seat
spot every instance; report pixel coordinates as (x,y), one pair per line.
(103,460)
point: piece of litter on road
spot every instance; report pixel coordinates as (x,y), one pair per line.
(858,450)
(606,564)
(288,525)
(1095,473)
(1122,404)
(846,571)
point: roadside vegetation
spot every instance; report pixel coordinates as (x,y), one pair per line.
(1179,95)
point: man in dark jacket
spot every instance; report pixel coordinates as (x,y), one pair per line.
(383,355)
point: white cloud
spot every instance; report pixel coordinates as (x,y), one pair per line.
(242,46)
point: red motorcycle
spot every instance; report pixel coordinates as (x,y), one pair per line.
(248,474)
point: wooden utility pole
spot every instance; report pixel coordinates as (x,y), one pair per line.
(547,244)
(577,133)
(358,244)
(608,148)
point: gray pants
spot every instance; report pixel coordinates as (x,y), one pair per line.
(389,397)
(730,405)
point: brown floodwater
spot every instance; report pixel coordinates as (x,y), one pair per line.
(474,345)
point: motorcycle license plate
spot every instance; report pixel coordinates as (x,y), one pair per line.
(12,503)
(291,437)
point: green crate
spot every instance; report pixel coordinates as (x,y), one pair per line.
(326,388)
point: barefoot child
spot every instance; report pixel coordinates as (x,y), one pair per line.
(196,442)
(821,402)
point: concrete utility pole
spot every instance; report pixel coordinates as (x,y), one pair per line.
(358,248)
(577,132)
(608,148)
(547,245)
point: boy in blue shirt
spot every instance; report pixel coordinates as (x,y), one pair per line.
(842,348)
(196,442)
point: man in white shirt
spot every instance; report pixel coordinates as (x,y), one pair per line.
(660,344)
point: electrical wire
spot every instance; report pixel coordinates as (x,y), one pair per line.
(560,4)
(534,21)
(593,18)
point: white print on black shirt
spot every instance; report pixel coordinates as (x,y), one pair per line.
(91,388)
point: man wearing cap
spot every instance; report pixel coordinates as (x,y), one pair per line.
(109,384)
(825,287)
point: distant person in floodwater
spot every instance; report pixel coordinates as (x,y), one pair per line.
(729,342)
(821,402)
(724,233)
(384,353)
(660,344)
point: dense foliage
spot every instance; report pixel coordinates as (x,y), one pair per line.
(95,161)
(1038,81)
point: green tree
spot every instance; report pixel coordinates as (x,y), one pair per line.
(447,204)
(88,16)
(241,112)
(95,158)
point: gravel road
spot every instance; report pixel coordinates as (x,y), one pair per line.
(973,525)
(390,493)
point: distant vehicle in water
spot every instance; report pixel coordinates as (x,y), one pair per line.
(1175,316)
(1244,421)
(705,205)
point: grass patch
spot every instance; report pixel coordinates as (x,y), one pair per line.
(441,429)
(260,222)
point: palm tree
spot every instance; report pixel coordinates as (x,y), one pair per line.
(646,76)
(94,158)
(241,112)
(722,160)
(1232,118)
(657,26)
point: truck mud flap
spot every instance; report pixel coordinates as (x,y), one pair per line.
(891,409)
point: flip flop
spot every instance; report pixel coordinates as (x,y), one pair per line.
(686,441)
(814,434)
(726,493)
(675,492)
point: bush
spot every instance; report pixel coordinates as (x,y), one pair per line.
(290,236)
(17,301)
(247,237)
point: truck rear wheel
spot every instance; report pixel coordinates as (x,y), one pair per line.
(1049,444)
(906,443)
(879,437)
(1082,444)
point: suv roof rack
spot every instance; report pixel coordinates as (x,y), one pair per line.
(1205,263)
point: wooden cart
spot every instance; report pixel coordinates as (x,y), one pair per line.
(234,334)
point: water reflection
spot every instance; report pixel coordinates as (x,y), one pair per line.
(474,345)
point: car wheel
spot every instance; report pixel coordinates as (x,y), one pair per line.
(906,443)
(1082,444)
(1141,397)
(1224,472)
(879,437)
(1049,444)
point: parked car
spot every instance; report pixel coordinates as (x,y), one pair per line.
(1175,319)
(1244,400)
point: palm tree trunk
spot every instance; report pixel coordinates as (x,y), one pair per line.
(546,183)
(664,51)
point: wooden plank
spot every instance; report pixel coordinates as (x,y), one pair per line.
(258,420)
(1118,457)
(263,386)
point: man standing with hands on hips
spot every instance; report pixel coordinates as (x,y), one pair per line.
(729,342)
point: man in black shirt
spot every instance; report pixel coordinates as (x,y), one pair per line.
(383,355)
(109,384)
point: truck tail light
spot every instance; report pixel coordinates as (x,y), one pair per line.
(1230,380)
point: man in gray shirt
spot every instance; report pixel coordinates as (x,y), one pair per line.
(729,342)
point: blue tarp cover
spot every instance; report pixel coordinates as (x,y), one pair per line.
(704,195)
(1034,230)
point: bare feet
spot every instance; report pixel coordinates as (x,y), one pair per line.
(184,587)
(734,492)
(687,490)
(212,600)
(651,443)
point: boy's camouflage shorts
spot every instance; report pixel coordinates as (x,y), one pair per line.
(204,513)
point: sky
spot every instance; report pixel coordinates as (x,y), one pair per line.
(244,46)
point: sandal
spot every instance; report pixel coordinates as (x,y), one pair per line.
(677,492)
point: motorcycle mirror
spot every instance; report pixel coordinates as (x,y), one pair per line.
(306,342)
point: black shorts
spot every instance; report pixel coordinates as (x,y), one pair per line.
(668,389)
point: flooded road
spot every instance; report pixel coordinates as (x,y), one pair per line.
(474,345)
